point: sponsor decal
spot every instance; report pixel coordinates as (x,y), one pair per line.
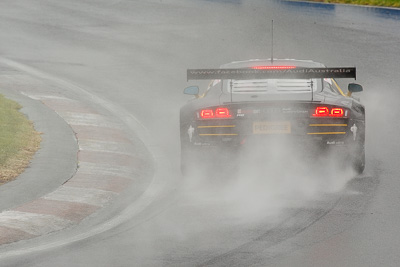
(294,111)
(353,129)
(245,111)
(201,144)
(190,133)
(335,142)
(249,74)
(272,110)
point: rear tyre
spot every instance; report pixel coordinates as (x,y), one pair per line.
(359,162)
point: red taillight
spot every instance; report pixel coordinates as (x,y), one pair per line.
(325,112)
(207,114)
(218,113)
(337,112)
(222,113)
(321,112)
(273,67)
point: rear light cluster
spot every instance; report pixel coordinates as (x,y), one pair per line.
(218,113)
(326,112)
(319,112)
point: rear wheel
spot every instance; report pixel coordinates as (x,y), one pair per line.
(359,161)
(352,157)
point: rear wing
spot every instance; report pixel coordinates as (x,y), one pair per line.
(254,74)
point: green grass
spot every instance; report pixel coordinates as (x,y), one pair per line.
(18,140)
(387,3)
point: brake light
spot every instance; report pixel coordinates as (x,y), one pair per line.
(218,113)
(222,113)
(207,114)
(325,112)
(273,67)
(337,112)
(321,112)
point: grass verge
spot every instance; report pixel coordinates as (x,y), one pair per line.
(18,140)
(382,3)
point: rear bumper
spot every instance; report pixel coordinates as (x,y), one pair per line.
(295,141)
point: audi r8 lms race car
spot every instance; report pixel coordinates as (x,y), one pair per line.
(248,102)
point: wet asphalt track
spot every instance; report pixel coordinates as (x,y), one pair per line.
(133,55)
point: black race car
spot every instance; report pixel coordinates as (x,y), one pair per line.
(249,101)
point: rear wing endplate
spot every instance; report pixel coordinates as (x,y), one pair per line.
(254,74)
